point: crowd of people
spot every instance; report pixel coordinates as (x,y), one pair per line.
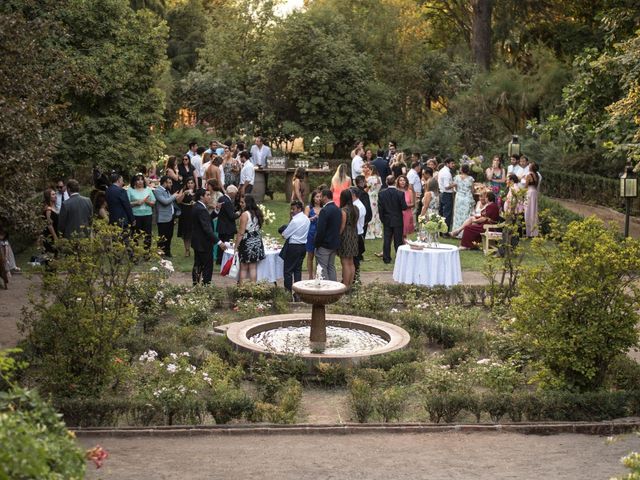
(208,193)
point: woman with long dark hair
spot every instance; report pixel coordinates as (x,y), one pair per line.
(171,170)
(249,244)
(348,237)
(312,211)
(186,170)
(50,214)
(297,185)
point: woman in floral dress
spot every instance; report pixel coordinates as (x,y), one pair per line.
(249,246)
(374,183)
(464,203)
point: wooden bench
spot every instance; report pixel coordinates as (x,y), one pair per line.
(490,237)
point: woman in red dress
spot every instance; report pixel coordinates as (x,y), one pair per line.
(472,233)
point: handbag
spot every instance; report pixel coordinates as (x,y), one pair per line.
(226,267)
(234,271)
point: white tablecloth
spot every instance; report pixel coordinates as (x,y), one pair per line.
(430,266)
(269,270)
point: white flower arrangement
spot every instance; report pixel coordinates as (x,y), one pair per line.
(268,215)
(432,223)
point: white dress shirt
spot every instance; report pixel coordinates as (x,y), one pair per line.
(196,161)
(247,174)
(298,229)
(362,212)
(259,156)
(414,181)
(444,180)
(356,167)
(61,197)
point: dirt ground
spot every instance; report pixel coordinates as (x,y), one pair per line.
(609,215)
(378,456)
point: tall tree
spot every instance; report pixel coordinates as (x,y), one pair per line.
(35,73)
(481,45)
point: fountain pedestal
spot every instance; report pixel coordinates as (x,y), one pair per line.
(318,336)
(319,293)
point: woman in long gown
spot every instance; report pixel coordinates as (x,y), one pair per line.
(472,233)
(532,181)
(408,225)
(374,183)
(464,203)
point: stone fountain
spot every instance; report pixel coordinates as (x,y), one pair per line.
(344,339)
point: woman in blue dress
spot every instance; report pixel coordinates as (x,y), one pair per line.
(312,211)
(464,203)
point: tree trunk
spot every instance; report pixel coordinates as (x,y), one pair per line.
(481,32)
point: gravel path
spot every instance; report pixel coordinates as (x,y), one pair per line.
(364,456)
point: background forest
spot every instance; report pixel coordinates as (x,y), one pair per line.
(101,82)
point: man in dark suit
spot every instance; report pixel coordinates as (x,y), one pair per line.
(391,203)
(327,239)
(120,212)
(76,213)
(227,216)
(382,167)
(203,239)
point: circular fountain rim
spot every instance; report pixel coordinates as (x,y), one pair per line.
(398,338)
(326,287)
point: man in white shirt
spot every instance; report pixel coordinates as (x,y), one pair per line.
(413,176)
(294,249)
(356,163)
(61,194)
(513,159)
(362,213)
(196,161)
(445,181)
(522,170)
(247,174)
(193,147)
(260,155)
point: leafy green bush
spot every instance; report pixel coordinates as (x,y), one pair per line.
(445,406)
(361,399)
(389,360)
(331,374)
(578,311)
(624,373)
(35,442)
(196,305)
(229,403)
(286,406)
(270,374)
(391,403)
(84,307)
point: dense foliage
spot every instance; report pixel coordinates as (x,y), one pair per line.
(578,311)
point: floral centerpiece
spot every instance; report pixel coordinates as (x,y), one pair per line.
(430,225)
(268,215)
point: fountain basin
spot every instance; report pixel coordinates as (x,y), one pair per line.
(323,292)
(395,337)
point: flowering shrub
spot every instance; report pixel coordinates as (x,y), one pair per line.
(497,376)
(147,292)
(84,308)
(175,383)
(195,306)
(35,442)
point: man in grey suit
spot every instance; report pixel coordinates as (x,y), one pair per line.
(76,213)
(166,209)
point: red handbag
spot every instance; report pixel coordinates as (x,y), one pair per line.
(227,266)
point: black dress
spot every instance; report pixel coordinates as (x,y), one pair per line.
(47,238)
(185,224)
(349,236)
(186,173)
